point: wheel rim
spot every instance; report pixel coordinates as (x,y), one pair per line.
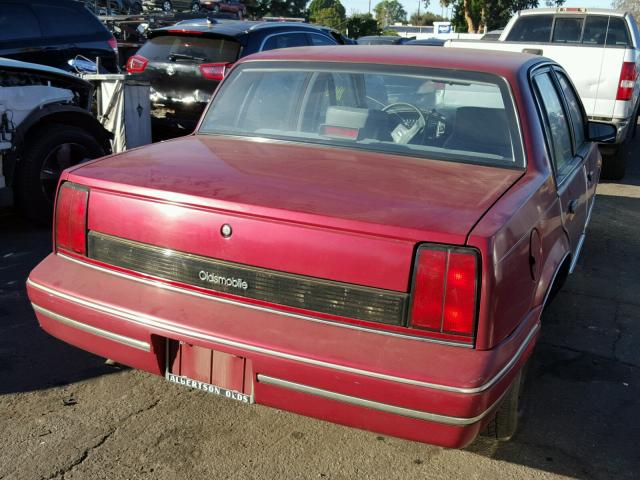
(195,7)
(166,6)
(60,157)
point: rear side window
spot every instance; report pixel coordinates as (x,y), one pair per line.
(567,30)
(317,39)
(617,35)
(595,30)
(63,21)
(531,28)
(161,49)
(575,109)
(17,22)
(286,40)
(557,125)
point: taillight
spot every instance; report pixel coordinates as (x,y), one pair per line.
(628,76)
(136,64)
(71,218)
(214,71)
(113,43)
(444,293)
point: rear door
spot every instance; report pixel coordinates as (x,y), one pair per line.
(568,165)
(585,149)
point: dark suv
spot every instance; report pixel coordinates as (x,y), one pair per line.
(185,62)
(52,33)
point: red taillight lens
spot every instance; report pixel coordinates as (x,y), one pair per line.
(113,43)
(214,71)
(445,292)
(136,64)
(71,218)
(628,77)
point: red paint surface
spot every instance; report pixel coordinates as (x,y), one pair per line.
(339,214)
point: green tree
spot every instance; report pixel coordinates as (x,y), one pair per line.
(361,24)
(276,8)
(317,5)
(331,17)
(425,18)
(389,12)
(475,15)
(631,6)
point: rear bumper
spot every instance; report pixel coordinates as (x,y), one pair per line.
(393,385)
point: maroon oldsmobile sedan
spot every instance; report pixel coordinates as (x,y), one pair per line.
(365,235)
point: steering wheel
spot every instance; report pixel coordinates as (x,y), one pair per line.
(405,131)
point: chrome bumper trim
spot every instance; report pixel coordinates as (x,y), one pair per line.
(382,407)
(150,321)
(583,236)
(128,341)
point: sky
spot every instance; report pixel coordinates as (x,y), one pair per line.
(411,6)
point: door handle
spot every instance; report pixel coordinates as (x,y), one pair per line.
(572,207)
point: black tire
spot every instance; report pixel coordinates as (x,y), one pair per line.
(215,8)
(504,424)
(167,6)
(195,6)
(136,8)
(614,164)
(44,155)
(239,14)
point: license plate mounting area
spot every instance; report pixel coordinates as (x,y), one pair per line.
(207,370)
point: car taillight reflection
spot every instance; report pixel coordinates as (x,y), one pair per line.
(136,64)
(71,218)
(113,43)
(444,292)
(214,71)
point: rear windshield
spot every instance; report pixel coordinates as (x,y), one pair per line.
(161,49)
(441,114)
(569,29)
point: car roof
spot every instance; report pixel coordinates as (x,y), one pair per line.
(504,64)
(572,11)
(234,28)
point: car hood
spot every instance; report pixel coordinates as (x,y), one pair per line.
(390,195)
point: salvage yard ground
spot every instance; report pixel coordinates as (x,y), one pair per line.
(65,414)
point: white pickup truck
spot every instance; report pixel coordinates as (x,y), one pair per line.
(600,51)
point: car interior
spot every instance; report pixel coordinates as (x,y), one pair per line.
(449,118)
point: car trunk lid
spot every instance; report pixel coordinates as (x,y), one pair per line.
(342,215)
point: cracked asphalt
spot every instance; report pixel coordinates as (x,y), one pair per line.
(65,414)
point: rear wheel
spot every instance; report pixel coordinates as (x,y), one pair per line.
(167,6)
(505,423)
(43,159)
(239,15)
(614,162)
(215,8)
(195,6)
